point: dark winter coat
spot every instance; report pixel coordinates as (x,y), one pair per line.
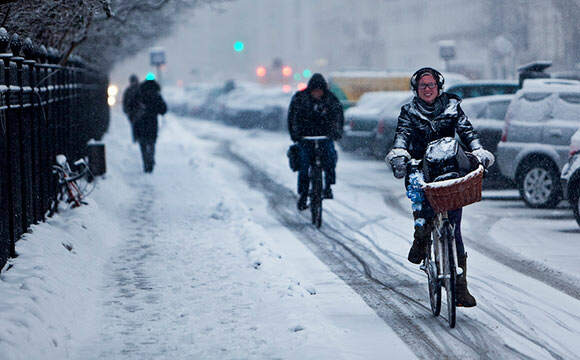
(310,117)
(153,104)
(416,127)
(129,104)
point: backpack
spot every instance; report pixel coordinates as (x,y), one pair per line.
(139,110)
(293,154)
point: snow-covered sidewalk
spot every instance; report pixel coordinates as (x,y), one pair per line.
(184,263)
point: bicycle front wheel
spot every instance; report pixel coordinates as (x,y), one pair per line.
(450,274)
(434,287)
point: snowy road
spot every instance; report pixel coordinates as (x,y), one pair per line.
(528,297)
(208,258)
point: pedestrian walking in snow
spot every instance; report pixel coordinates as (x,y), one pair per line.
(129,103)
(149,104)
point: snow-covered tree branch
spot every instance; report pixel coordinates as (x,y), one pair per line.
(101,31)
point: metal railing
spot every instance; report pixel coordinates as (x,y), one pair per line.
(45,109)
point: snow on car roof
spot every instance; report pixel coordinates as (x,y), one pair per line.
(488,98)
(550,85)
(368,74)
(486,82)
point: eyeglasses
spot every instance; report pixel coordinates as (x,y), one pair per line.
(425,86)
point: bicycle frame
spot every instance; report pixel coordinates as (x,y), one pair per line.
(67,181)
(438,223)
(315,175)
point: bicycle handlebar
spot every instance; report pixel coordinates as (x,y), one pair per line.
(313,138)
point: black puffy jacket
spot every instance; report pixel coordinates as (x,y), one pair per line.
(415,129)
(149,96)
(310,117)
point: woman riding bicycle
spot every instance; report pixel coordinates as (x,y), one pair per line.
(431,115)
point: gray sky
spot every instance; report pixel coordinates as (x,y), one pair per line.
(327,35)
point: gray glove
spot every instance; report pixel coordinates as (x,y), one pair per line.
(398,158)
(399,166)
(485,157)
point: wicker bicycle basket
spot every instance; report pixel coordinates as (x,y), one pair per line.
(455,193)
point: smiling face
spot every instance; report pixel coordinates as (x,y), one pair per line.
(427,89)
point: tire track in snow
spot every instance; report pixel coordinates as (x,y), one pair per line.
(485,338)
(477,240)
(402,310)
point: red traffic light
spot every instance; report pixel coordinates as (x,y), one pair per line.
(261,71)
(287,71)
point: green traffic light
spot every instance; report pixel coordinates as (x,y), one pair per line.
(307,73)
(297,77)
(238,46)
(150,76)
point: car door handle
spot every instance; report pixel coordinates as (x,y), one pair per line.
(555,133)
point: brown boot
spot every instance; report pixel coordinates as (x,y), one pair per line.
(418,251)
(462,295)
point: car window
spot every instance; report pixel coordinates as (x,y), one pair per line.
(474,91)
(497,109)
(488,90)
(459,91)
(567,107)
(530,107)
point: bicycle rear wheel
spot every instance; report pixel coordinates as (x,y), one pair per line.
(316,197)
(449,271)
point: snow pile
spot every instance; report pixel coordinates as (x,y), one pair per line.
(49,289)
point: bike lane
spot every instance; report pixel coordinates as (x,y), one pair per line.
(369,226)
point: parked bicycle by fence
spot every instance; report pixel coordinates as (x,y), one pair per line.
(73,186)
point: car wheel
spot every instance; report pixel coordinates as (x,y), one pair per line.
(575,202)
(539,185)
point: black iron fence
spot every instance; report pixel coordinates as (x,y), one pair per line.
(45,109)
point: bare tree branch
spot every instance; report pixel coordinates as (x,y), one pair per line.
(102,31)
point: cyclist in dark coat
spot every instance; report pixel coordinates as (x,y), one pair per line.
(315,111)
(431,115)
(150,104)
(129,104)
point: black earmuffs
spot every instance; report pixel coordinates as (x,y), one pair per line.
(436,74)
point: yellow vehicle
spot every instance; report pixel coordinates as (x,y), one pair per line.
(348,86)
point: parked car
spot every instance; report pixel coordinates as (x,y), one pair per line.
(224,105)
(263,108)
(195,98)
(487,114)
(360,121)
(384,132)
(477,88)
(253,106)
(570,178)
(175,98)
(540,121)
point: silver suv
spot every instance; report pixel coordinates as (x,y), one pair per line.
(538,126)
